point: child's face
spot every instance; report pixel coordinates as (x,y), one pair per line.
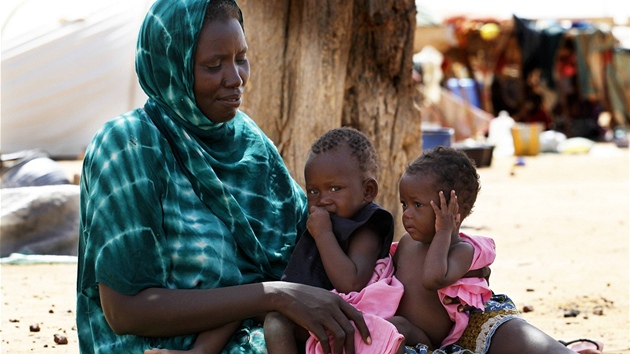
(335,182)
(416,193)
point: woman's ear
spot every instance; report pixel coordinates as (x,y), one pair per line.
(370,189)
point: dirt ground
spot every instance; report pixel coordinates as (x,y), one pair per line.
(561,224)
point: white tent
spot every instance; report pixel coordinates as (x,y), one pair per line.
(67,67)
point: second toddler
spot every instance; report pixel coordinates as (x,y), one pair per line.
(438,191)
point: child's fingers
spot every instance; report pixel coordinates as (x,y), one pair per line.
(454,202)
(436,209)
(443,204)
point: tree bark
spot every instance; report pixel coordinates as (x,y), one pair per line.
(380,92)
(318,65)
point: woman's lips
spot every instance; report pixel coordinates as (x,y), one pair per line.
(231,101)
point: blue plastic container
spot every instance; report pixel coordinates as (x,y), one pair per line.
(432,137)
(465,89)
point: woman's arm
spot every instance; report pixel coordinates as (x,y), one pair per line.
(156,312)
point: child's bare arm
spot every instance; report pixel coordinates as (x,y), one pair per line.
(347,272)
(448,259)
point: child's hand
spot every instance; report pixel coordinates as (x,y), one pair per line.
(447,217)
(318,222)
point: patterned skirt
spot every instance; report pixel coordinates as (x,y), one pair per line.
(481,327)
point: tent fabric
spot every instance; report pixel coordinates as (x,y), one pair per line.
(538,47)
(62,78)
(618,79)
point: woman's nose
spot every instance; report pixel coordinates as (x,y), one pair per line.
(233,77)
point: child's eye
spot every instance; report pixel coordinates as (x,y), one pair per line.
(312,191)
(417,204)
(335,189)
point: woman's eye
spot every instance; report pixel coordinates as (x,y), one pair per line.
(214,68)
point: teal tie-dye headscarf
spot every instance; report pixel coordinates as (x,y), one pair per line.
(165,58)
(170,199)
(204,149)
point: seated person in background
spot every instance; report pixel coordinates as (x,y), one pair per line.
(535,112)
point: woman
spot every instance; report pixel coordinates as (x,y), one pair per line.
(188,214)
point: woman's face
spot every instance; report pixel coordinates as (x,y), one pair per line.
(221,69)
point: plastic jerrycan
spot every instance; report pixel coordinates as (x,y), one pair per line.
(500,134)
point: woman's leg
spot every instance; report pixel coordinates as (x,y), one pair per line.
(519,337)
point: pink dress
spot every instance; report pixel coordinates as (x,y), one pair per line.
(471,291)
(378,301)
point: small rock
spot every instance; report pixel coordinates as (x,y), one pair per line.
(34,327)
(571,313)
(598,310)
(529,290)
(528,308)
(61,339)
(14,320)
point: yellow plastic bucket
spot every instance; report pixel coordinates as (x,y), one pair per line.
(526,138)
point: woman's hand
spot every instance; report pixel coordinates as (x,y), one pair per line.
(323,313)
(479,273)
(455,300)
(475,273)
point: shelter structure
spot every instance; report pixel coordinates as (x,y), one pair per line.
(67,68)
(564,73)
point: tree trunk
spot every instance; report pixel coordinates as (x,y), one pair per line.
(379,90)
(318,65)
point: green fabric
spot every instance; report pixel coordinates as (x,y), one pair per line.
(170,199)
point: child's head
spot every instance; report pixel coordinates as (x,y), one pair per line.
(447,169)
(340,172)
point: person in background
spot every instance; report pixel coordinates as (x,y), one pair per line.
(535,112)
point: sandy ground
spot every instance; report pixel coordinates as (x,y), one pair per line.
(561,224)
